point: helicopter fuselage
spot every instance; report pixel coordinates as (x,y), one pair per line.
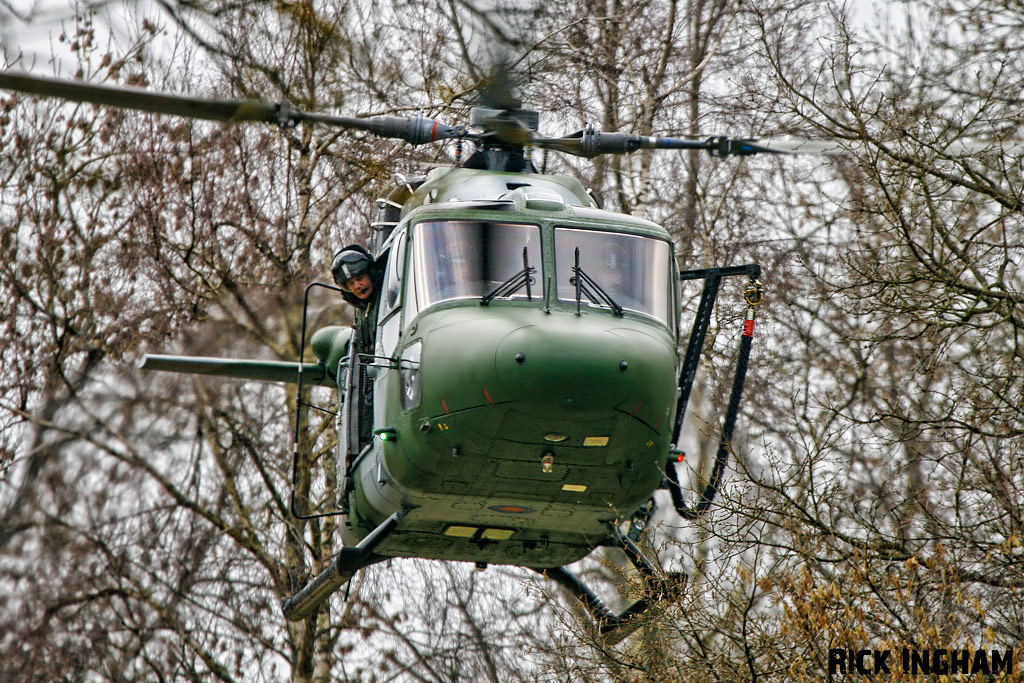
(515,429)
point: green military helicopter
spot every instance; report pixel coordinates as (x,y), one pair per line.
(523,396)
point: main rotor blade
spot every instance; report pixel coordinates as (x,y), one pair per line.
(722,146)
(591,143)
(778,146)
(495,92)
(415,130)
(137,98)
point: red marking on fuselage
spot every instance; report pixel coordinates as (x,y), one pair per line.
(444,404)
(636,409)
(748,328)
(433,132)
(489,399)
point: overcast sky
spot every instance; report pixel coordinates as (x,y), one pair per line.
(32,27)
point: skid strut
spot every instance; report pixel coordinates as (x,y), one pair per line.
(349,561)
(614,628)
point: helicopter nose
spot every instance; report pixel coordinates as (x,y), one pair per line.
(578,370)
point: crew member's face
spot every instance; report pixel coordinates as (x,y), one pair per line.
(361,286)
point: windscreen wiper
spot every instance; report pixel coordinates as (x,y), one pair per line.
(513,284)
(586,285)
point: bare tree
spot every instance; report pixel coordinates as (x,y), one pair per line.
(874,496)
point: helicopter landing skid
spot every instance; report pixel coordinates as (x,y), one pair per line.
(349,561)
(614,628)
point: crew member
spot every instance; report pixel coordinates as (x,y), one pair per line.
(360,278)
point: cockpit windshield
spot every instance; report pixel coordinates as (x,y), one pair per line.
(461,259)
(634,271)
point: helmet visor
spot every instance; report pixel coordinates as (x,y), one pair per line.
(347,265)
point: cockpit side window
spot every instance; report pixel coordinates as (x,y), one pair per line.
(635,271)
(389,315)
(463,259)
(393,281)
